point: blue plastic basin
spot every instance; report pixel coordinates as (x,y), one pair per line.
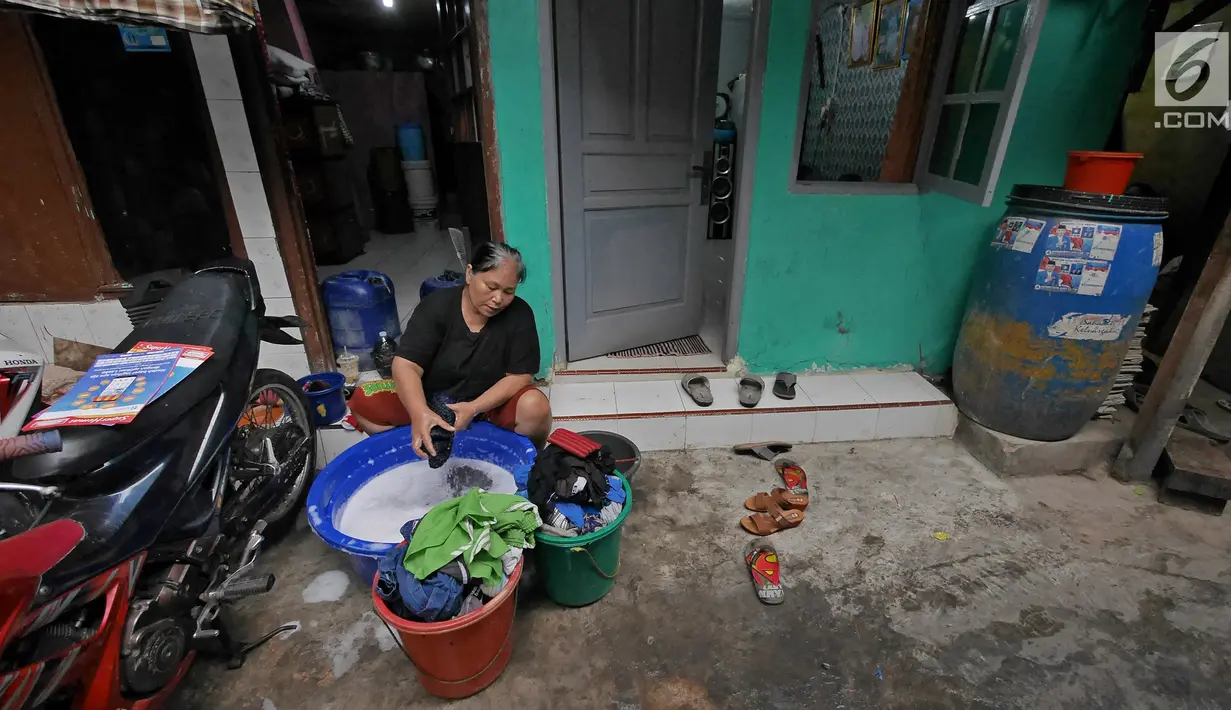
(346,473)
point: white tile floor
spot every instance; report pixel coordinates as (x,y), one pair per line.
(839,407)
(407,259)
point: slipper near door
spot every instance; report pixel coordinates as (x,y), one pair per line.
(697,387)
(750,389)
(784,386)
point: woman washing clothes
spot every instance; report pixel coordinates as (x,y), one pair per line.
(477,346)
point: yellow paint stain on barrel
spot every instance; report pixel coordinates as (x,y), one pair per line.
(1001,344)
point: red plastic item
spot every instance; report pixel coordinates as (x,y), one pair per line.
(1100,172)
(574,443)
(459,657)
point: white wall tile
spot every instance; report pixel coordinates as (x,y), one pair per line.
(216,66)
(833,390)
(15,324)
(655,433)
(890,387)
(59,320)
(234,139)
(336,441)
(791,427)
(906,422)
(845,425)
(929,392)
(610,425)
(108,323)
(251,205)
(648,397)
(579,399)
(718,430)
(270,269)
(946,420)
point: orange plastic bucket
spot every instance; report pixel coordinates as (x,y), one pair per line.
(459,657)
(1101,172)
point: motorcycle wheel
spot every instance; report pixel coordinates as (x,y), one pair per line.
(278,410)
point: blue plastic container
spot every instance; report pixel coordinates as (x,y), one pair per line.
(327,405)
(360,305)
(346,473)
(448,279)
(1052,309)
(410,140)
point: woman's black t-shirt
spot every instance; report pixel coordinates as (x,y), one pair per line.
(462,364)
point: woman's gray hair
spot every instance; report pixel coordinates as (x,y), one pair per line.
(491,255)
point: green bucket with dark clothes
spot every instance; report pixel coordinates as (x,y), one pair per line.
(580,570)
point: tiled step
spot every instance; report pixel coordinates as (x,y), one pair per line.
(657,415)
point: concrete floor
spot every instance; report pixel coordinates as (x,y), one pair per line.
(1051,592)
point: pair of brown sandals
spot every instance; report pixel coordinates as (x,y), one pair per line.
(781,508)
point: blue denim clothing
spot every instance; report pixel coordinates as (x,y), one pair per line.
(436,598)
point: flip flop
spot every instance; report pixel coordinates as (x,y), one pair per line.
(784,386)
(697,387)
(781,497)
(750,389)
(762,561)
(765,450)
(1196,420)
(772,520)
(794,476)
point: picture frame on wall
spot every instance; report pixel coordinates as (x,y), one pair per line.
(887,51)
(913,24)
(863,33)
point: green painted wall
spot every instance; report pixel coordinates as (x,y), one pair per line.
(848,282)
(838,281)
(517,83)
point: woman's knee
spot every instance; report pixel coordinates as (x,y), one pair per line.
(533,411)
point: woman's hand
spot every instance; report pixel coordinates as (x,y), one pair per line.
(421,431)
(465,413)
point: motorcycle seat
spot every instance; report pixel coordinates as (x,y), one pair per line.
(207,309)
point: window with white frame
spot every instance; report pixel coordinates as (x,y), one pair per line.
(975,106)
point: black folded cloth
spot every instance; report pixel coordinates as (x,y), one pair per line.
(556,474)
(442,439)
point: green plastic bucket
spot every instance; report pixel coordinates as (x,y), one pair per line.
(580,570)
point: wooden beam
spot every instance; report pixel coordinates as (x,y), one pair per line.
(486,103)
(285,206)
(902,149)
(1181,367)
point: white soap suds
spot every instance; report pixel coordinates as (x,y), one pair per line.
(327,587)
(379,509)
(343,649)
(267,704)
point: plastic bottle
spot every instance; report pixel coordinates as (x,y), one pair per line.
(382,354)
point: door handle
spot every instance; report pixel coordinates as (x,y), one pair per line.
(706,171)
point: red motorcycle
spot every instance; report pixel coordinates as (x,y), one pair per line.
(121,547)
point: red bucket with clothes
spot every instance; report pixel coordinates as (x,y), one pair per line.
(459,657)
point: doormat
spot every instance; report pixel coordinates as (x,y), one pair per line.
(692,345)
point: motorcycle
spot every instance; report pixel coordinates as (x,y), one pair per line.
(122,547)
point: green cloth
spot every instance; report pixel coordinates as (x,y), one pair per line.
(480,527)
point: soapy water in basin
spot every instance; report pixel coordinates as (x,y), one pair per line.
(377,511)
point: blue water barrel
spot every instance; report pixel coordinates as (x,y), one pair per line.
(1052,308)
(360,305)
(410,140)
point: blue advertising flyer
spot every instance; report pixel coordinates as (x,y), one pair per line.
(112,391)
